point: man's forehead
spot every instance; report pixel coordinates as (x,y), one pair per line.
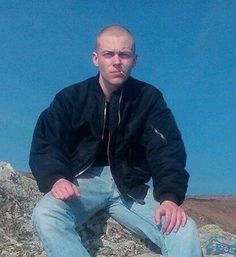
(110,42)
(112,48)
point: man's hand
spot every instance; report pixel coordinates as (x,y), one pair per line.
(65,190)
(175,216)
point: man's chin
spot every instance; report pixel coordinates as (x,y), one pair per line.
(117,81)
(114,82)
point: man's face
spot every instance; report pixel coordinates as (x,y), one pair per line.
(115,58)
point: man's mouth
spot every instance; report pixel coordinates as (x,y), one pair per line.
(119,73)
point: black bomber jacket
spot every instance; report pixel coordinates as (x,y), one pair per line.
(144,141)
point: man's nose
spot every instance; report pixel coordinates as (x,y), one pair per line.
(116,59)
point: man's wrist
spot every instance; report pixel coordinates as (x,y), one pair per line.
(53,179)
(170,197)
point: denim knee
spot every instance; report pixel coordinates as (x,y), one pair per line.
(48,212)
(40,215)
(191,224)
(189,231)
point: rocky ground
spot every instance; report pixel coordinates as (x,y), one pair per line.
(102,236)
(219,210)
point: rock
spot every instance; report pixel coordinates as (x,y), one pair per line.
(209,231)
(5,166)
(101,235)
(18,195)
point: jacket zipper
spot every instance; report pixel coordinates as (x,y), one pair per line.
(109,135)
(160,134)
(109,138)
(103,131)
(119,116)
(104,119)
(108,149)
(82,171)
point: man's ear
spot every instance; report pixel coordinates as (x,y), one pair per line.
(95,59)
(135,60)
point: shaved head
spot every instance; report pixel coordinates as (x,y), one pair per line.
(116,31)
(114,57)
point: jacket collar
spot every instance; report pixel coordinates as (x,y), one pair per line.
(114,96)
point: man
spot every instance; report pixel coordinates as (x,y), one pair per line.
(97,146)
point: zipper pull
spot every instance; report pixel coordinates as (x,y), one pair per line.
(160,134)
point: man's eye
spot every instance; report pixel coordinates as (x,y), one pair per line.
(108,55)
(125,55)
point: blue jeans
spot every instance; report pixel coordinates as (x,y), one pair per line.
(56,220)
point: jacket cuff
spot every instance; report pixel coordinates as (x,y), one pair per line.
(46,187)
(169,197)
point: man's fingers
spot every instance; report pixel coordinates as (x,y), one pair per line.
(178,221)
(57,194)
(184,219)
(175,216)
(76,190)
(67,192)
(160,212)
(181,219)
(170,220)
(70,191)
(64,190)
(60,193)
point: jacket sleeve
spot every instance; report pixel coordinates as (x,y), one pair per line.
(165,153)
(49,155)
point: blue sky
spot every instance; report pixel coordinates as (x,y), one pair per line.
(185,48)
